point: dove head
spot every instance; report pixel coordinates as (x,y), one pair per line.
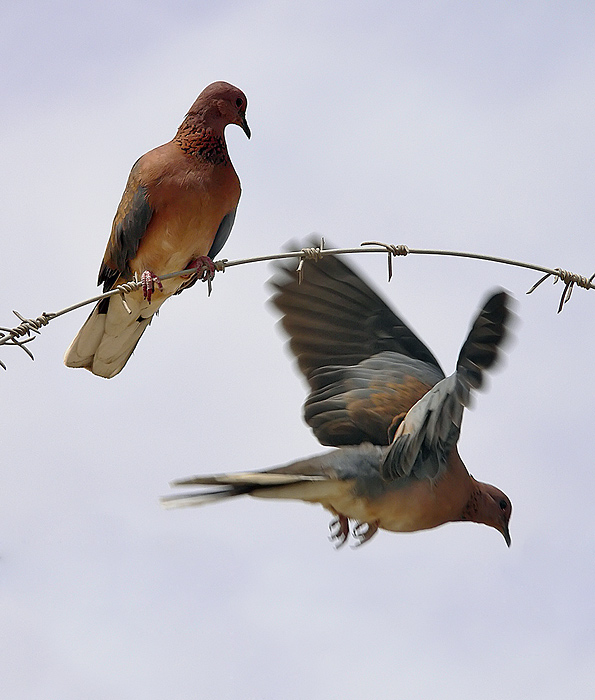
(218,105)
(490,506)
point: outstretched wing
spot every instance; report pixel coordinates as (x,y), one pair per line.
(363,363)
(430,430)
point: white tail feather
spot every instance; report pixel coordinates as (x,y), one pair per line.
(106,341)
(196,499)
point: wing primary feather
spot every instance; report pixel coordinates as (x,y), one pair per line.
(431,428)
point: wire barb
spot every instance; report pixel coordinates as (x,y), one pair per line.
(392,250)
(314,254)
(13,336)
(570,279)
(21,334)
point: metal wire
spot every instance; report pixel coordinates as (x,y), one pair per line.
(21,334)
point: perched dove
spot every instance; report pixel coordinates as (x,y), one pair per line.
(176,213)
(379,396)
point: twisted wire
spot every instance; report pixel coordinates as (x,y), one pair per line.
(392,250)
(570,279)
(314,254)
(12,336)
(21,334)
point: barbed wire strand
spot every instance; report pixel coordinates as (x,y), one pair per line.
(21,334)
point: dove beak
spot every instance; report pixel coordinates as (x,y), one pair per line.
(506,534)
(244,126)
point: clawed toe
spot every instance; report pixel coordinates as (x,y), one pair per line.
(339,528)
(204,267)
(362,532)
(148,281)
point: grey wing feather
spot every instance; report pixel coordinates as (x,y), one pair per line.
(481,350)
(129,226)
(426,435)
(363,363)
(431,428)
(334,317)
(357,404)
(222,233)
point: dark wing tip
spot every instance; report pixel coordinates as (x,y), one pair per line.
(483,347)
(335,316)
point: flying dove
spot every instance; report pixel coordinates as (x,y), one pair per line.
(379,396)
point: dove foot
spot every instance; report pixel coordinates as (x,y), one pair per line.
(362,532)
(204,267)
(339,528)
(148,281)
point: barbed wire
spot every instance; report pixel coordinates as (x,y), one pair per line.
(20,335)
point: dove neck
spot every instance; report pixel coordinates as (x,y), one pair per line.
(482,503)
(473,505)
(206,142)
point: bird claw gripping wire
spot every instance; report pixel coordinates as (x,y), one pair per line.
(392,250)
(570,279)
(218,266)
(148,281)
(15,336)
(204,268)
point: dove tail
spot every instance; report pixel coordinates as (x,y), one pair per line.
(275,483)
(202,498)
(109,336)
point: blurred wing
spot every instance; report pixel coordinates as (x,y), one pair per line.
(431,428)
(363,363)
(356,404)
(130,224)
(334,318)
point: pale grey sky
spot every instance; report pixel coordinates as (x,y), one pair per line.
(435,124)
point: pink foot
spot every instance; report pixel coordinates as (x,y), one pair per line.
(148,281)
(204,267)
(339,528)
(362,532)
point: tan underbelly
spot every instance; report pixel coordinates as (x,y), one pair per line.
(173,247)
(419,506)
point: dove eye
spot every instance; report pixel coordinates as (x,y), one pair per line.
(239,102)
(503,504)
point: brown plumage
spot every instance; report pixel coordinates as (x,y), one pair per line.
(176,212)
(379,397)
